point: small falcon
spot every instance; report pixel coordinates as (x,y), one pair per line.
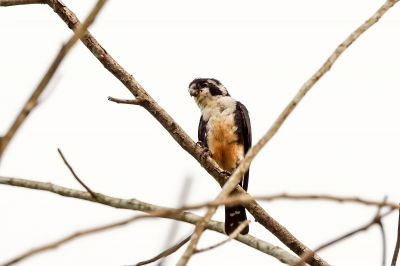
(225,130)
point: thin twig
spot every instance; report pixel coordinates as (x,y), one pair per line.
(396,249)
(236,199)
(233,235)
(382,229)
(384,248)
(244,165)
(20,2)
(153,211)
(136,101)
(76,176)
(376,220)
(339,199)
(33,99)
(166,252)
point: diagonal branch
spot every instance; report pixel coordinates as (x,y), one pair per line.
(152,210)
(75,175)
(165,253)
(177,132)
(237,175)
(33,99)
(233,235)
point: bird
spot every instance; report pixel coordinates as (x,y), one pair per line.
(225,132)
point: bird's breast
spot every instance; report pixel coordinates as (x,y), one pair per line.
(223,142)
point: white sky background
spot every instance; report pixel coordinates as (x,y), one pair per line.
(343,139)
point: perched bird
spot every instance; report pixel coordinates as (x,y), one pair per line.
(225,130)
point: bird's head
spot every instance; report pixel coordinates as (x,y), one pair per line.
(206,90)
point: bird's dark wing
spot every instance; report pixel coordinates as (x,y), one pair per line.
(202,131)
(244,132)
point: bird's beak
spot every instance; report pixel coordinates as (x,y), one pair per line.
(193,92)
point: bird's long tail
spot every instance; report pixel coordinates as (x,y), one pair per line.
(234,216)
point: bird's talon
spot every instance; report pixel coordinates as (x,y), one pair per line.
(206,152)
(201,144)
(226,173)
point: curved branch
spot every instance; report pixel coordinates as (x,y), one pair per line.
(152,210)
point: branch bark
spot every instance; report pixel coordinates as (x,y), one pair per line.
(151,209)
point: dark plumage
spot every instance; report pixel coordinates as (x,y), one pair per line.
(225,129)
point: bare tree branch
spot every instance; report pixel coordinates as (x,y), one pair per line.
(177,132)
(339,199)
(76,176)
(166,252)
(164,212)
(245,164)
(233,235)
(20,2)
(396,249)
(236,199)
(33,99)
(375,221)
(152,210)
